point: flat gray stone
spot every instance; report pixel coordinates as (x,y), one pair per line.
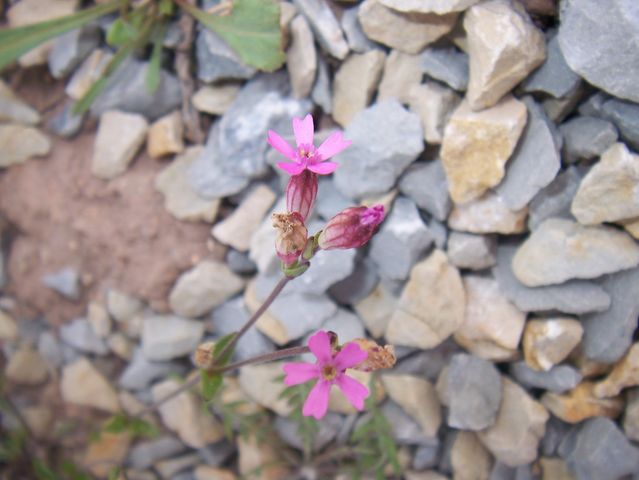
(126,90)
(426,185)
(80,335)
(590,34)
(447,65)
(555,199)
(140,373)
(598,450)
(145,454)
(322,92)
(386,139)
(472,390)
(406,431)
(330,201)
(625,115)
(66,282)
(167,336)
(355,36)
(50,348)
(71,48)
(239,262)
(325,26)
(475,252)
(573,296)
(358,285)
(426,456)
(289,431)
(554,76)
(235,150)
(401,240)
(586,138)
(66,124)
(535,161)
(558,379)
(555,432)
(608,334)
(347,325)
(216,60)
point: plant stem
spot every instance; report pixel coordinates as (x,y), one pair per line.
(251,321)
(267,357)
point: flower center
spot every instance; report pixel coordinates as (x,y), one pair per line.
(329,372)
(306,153)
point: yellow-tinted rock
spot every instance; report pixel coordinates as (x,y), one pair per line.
(19,143)
(260,461)
(108,451)
(84,385)
(555,469)
(625,374)
(581,403)
(165,136)
(549,341)
(469,458)
(26,367)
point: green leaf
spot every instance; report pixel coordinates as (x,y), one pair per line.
(211,383)
(252,30)
(152,79)
(72,471)
(15,42)
(42,472)
(142,428)
(166,7)
(121,32)
(114,473)
(118,423)
(221,345)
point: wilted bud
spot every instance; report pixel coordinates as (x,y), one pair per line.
(378,357)
(301,192)
(291,236)
(203,357)
(351,228)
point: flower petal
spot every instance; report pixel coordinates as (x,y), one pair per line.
(303,130)
(320,345)
(334,144)
(281,145)
(300,372)
(291,168)
(323,168)
(316,403)
(350,355)
(354,391)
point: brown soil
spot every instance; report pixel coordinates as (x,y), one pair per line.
(116,233)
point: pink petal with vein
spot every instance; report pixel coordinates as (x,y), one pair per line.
(354,391)
(323,168)
(281,145)
(300,372)
(317,401)
(350,355)
(291,168)
(332,145)
(320,345)
(303,130)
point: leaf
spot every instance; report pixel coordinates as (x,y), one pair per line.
(252,30)
(120,32)
(211,383)
(220,345)
(152,79)
(118,423)
(166,7)
(114,473)
(42,472)
(142,428)
(72,471)
(15,42)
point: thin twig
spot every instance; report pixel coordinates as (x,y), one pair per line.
(267,357)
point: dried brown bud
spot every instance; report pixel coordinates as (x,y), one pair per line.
(203,357)
(291,236)
(378,357)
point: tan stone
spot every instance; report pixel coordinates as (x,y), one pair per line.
(84,385)
(520,425)
(27,12)
(504,47)
(477,145)
(40,419)
(260,461)
(469,458)
(408,32)
(204,472)
(88,73)
(98,317)
(555,469)
(581,403)
(418,398)
(625,374)
(376,309)
(434,104)
(301,58)
(548,341)
(120,344)
(488,214)
(492,326)
(238,228)
(608,191)
(19,143)
(354,84)
(14,110)
(429,6)
(165,136)
(26,367)
(184,415)
(402,71)
(120,136)
(109,450)
(259,383)
(8,327)
(432,304)
(215,99)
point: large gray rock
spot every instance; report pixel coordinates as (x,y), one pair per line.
(140,373)
(330,201)
(386,139)
(590,34)
(401,240)
(426,185)
(325,26)
(608,334)
(598,450)
(586,137)
(355,36)
(216,60)
(80,335)
(235,151)
(71,48)
(558,379)
(447,65)
(574,296)
(554,77)
(358,285)
(555,199)
(166,336)
(471,387)
(474,252)
(126,90)
(535,161)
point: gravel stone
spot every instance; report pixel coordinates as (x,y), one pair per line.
(66,282)
(426,185)
(447,65)
(558,379)
(167,336)
(586,138)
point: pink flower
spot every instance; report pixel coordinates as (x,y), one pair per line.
(329,370)
(301,191)
(351,228)
(306,156)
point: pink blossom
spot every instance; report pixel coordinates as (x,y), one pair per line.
(306,156)
(301,192)
(351,228)
(329,370)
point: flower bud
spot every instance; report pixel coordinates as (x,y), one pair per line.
(351,228)
(378,357)
(301,191)
(291,236)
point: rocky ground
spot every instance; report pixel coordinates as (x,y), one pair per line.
(500,135)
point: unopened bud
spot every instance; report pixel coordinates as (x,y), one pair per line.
(301,192)
(291,236)
(203,357)
(351,228)
(378,357)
